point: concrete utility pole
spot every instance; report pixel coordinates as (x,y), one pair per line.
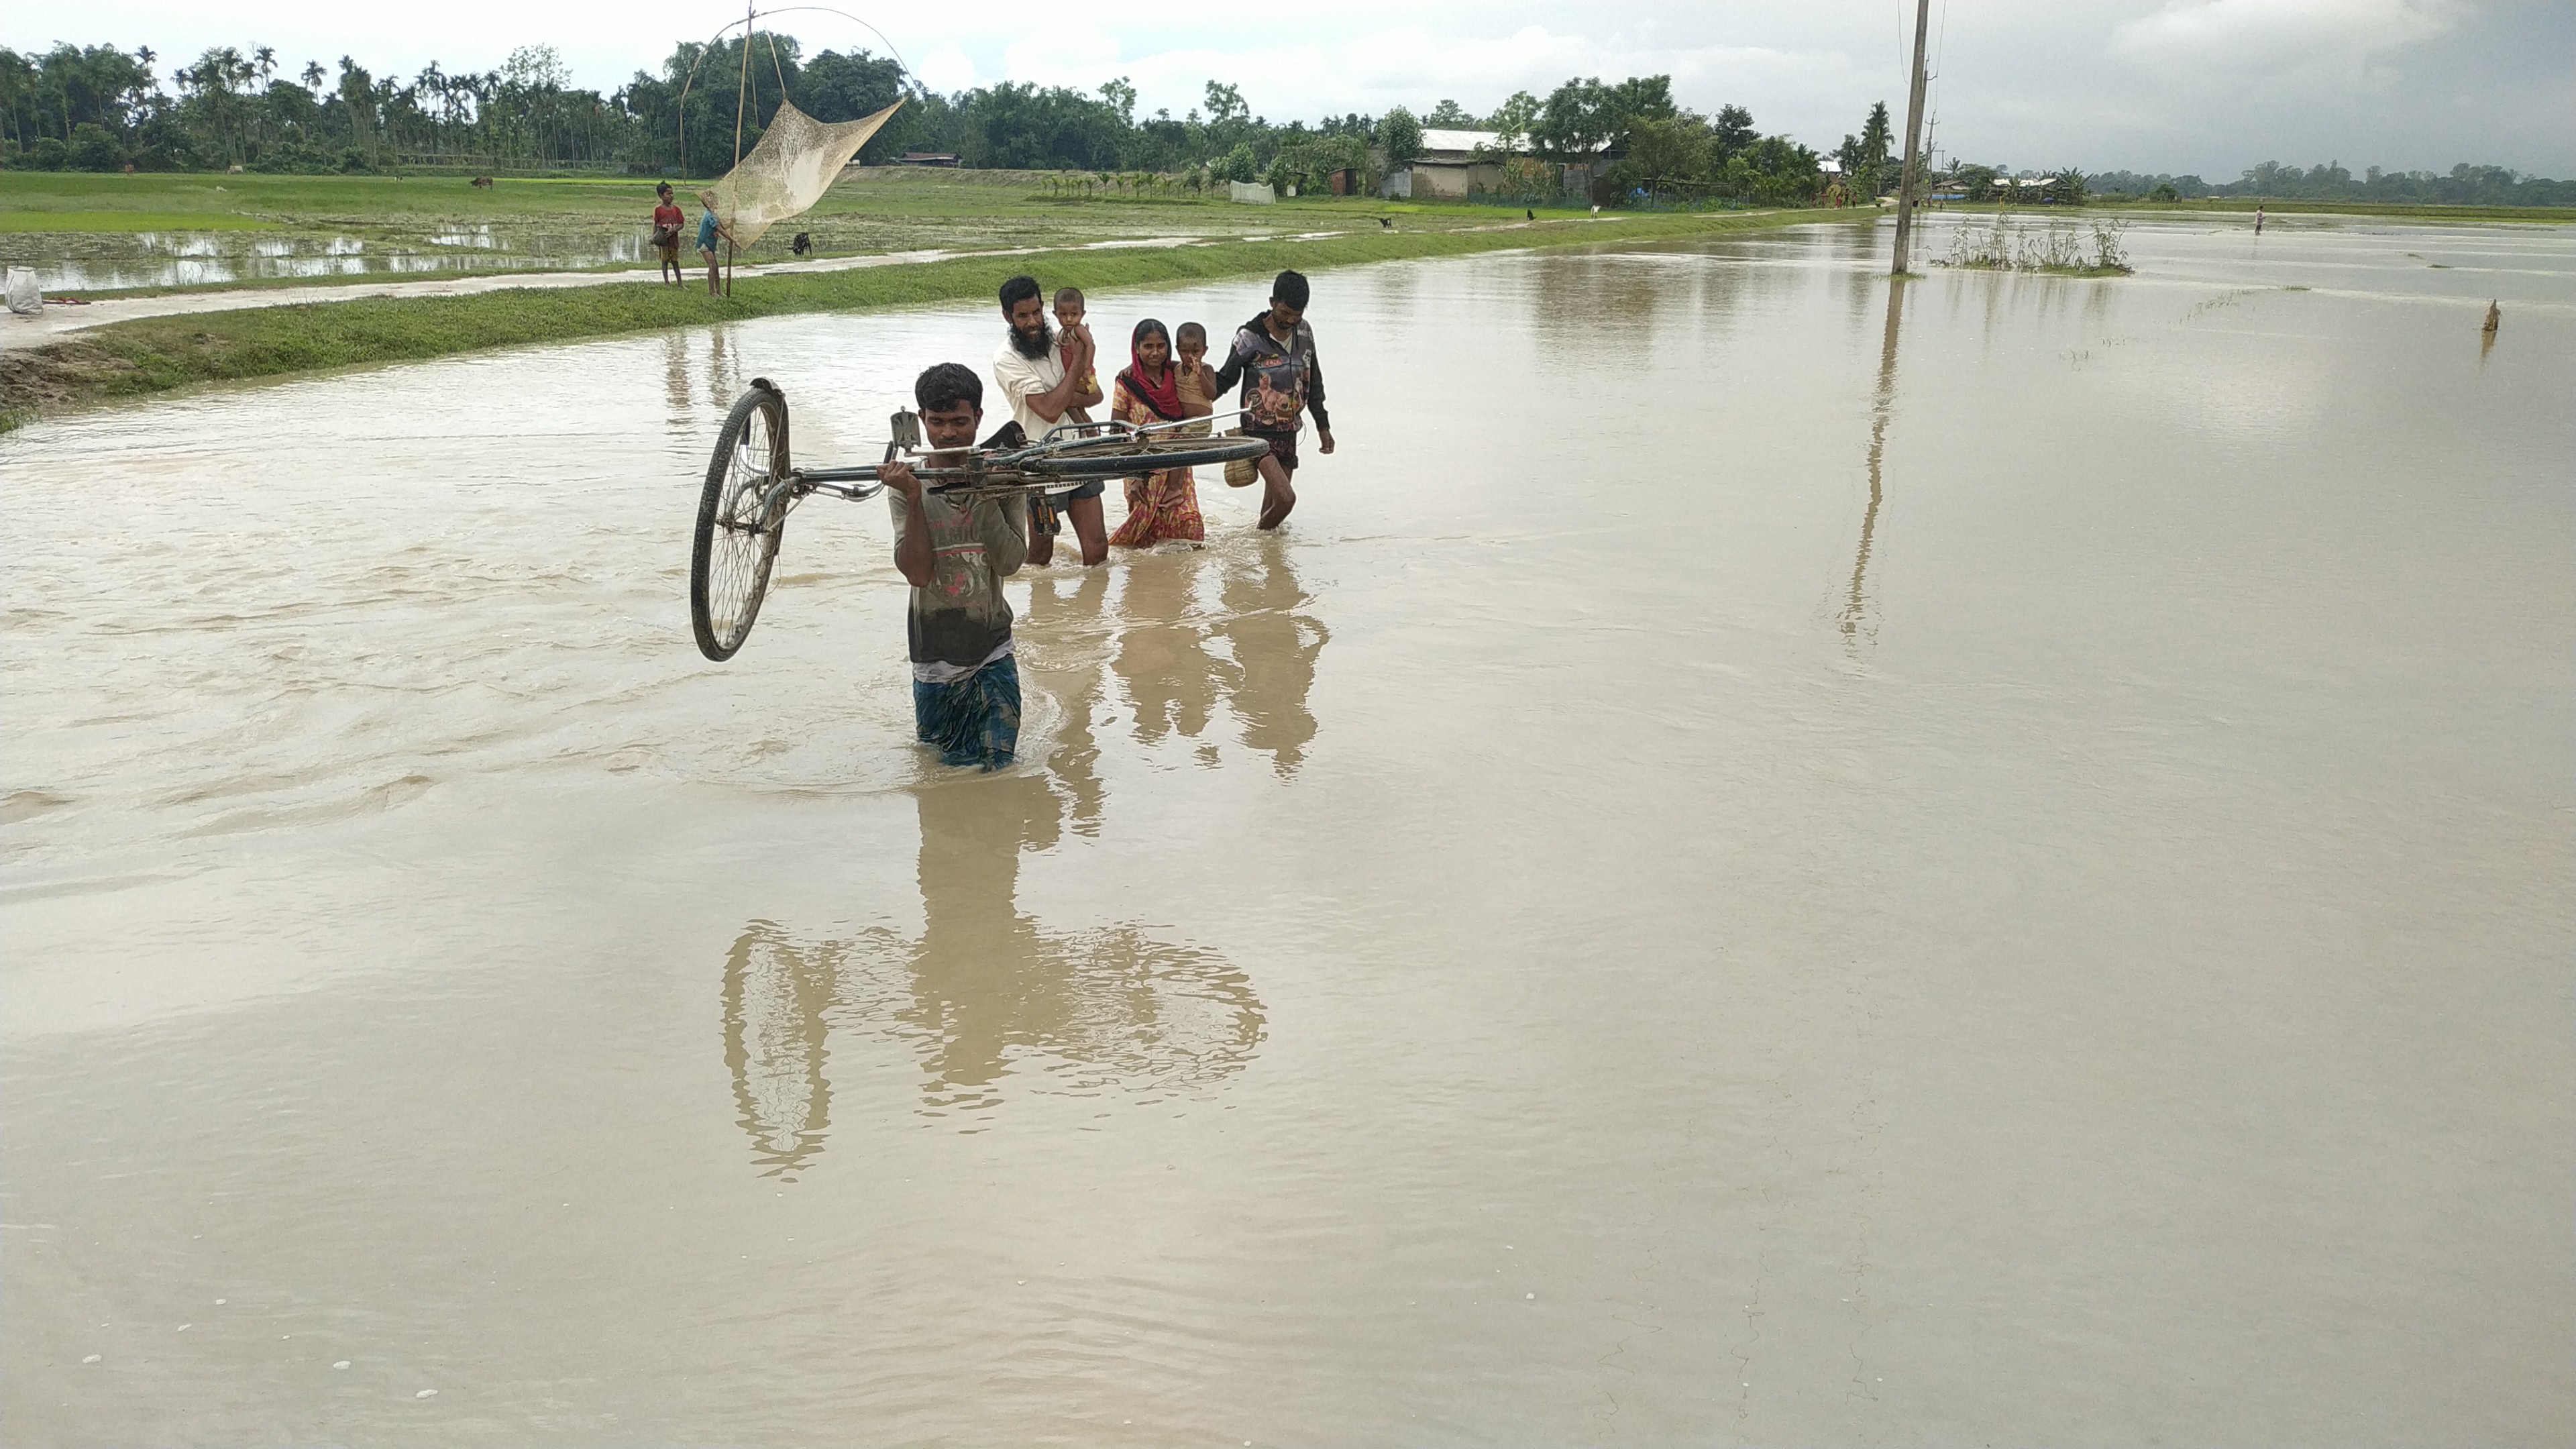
(1913,138)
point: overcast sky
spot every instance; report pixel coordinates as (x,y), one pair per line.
(2205,86)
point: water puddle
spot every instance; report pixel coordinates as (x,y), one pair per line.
(97,261)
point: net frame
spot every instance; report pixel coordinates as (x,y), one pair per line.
(795,161)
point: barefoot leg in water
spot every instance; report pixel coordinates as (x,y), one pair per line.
(1278,496)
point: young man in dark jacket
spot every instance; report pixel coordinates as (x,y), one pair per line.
(1273,356)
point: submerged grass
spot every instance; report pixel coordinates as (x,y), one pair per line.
(155,355)
(2056,250)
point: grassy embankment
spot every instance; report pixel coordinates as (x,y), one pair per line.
(152,355)
(577,223)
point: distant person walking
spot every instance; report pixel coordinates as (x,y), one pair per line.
(708,230)
(2258,221)
(1043,385)
(1274,357)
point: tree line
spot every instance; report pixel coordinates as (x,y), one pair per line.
(98,108)
(2462,185)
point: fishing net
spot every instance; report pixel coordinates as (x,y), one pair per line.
(796,161)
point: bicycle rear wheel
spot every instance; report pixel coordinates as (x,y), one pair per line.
(741,515)
(1130,457)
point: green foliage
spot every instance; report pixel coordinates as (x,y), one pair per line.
(1400,135)
(93,149)
(1582,117)
(1450,116)
(1237,164)
(2006,245)
(1308,164)
(1869,169)
(2462,185)
(1511,122)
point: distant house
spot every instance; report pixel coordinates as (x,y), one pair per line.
(1447,168)
(925,158)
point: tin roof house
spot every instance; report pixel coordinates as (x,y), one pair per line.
(1448,168)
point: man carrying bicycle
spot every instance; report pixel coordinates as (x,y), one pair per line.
(955,552)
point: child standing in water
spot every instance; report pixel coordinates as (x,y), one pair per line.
(1166,504)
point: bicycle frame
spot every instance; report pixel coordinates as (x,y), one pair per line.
(997,469)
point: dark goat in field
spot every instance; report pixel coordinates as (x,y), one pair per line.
(482,181)
(803,245)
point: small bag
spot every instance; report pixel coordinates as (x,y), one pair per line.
(1241,472)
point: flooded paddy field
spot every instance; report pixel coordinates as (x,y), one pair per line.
(73,261)
(87,233)
(1763,861)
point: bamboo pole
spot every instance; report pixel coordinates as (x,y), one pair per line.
(1913,138)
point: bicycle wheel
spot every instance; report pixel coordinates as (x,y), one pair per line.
(740,518)
(1128,457)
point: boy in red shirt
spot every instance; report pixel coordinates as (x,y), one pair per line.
(667,221)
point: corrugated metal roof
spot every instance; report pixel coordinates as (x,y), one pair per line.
(1457,140)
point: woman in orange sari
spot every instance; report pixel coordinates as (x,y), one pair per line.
(1166,504)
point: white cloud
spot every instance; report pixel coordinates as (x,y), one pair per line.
(1062,52)
(948,68)
(2279,35)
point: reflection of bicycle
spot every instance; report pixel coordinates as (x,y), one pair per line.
(752,485)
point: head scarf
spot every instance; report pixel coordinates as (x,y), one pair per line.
(1163,398)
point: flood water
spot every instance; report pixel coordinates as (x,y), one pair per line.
(82,261)
(1761,863)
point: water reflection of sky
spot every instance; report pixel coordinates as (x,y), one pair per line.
(76,261)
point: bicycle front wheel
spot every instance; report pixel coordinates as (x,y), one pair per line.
(741,515)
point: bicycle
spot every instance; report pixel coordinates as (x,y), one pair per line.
(753,484)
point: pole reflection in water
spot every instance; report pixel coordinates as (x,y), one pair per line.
(1858,620)
(776,999)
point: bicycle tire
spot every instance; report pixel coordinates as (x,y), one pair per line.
(736,543)
(1134,458)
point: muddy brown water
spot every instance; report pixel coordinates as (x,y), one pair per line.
(1759,864)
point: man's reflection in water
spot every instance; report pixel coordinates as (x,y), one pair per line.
(1275,646)
(985,995)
